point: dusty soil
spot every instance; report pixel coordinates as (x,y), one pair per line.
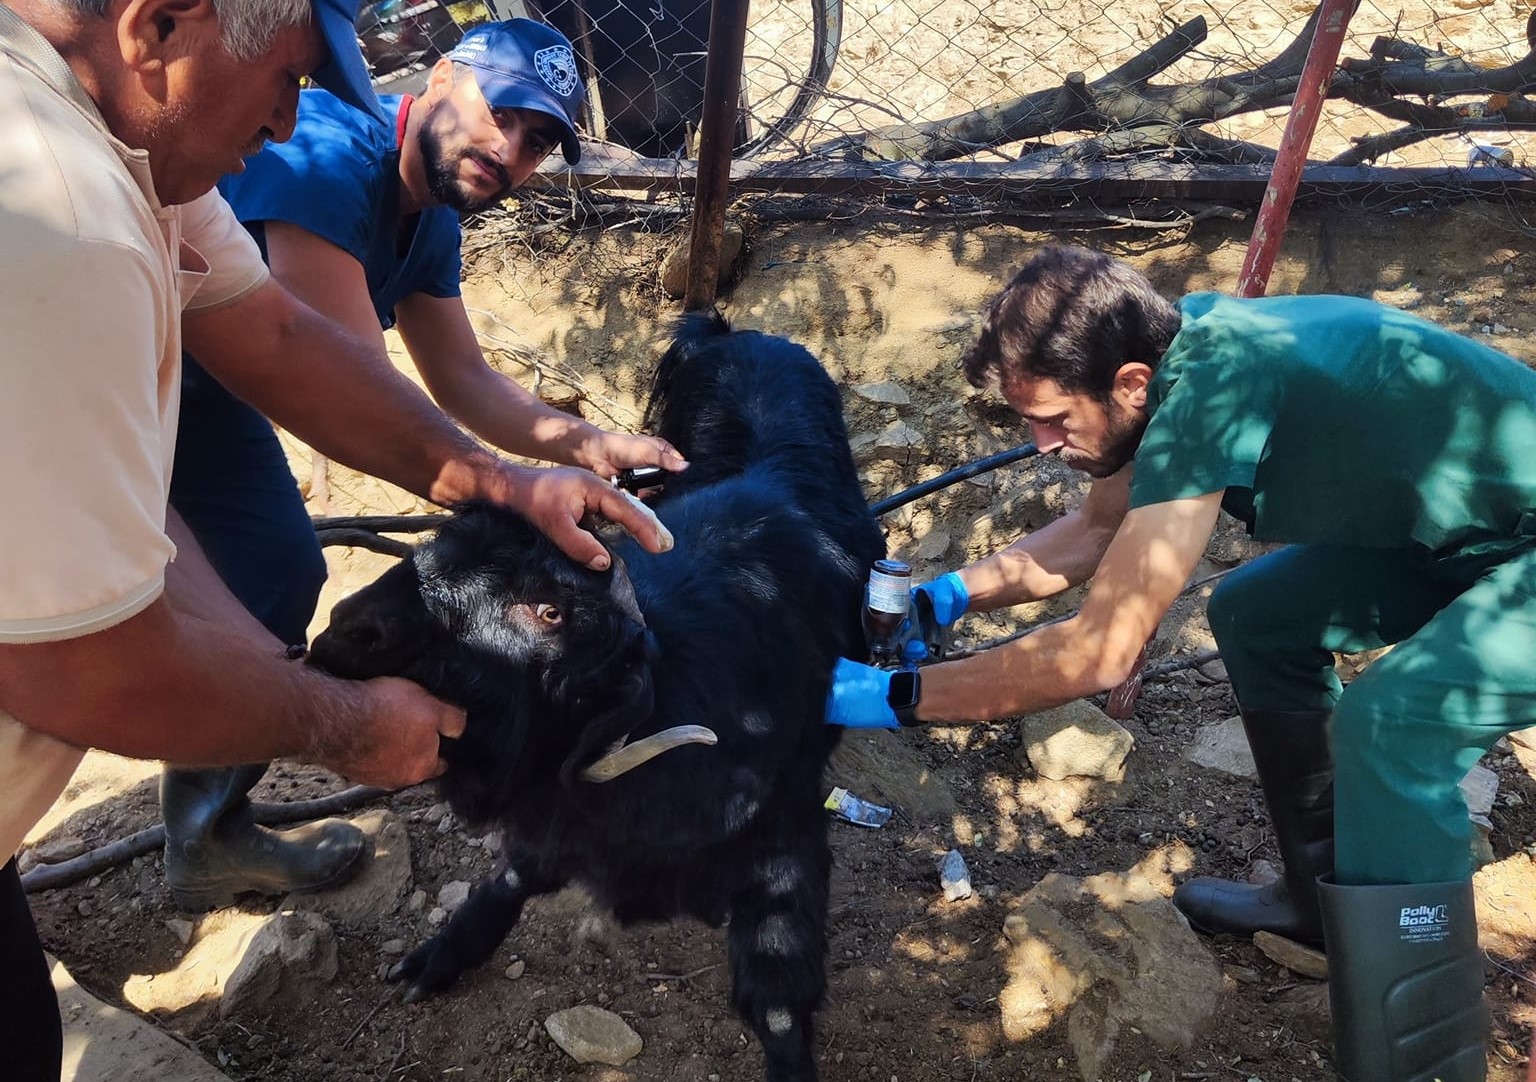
(914,980)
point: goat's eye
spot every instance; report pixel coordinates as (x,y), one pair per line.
(549,614)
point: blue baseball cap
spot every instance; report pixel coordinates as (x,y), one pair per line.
(522,64)
(344,72)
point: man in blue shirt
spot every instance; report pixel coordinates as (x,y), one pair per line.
(358,216)
(1398,461)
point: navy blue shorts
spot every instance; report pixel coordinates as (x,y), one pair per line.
(232,485)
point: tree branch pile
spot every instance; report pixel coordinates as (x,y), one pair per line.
(1408,83)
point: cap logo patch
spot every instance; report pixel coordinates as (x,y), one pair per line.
(556,65)
(468,49)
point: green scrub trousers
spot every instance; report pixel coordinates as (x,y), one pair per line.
(1404,733)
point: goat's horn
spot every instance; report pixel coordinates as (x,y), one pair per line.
(629,756)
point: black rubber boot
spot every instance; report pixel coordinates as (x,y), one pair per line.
(1295,770)
(1405,979)
(215,851)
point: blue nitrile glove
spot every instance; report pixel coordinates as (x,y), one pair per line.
(858,699)
(948,595)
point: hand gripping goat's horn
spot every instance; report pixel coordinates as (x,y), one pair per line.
(628,756)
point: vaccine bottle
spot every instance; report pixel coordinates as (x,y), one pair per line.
(885,607)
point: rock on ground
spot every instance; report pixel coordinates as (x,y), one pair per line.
(1223,745)
(593,1035)
(291,955)
(1108,952)
(1506,919)
(1076,740)
(674,270)
(886,392)
(103,1043)
(376,891)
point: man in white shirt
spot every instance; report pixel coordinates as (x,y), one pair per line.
(116,119)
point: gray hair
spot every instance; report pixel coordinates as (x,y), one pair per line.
(248,26)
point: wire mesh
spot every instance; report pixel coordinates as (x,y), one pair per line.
(1037,98)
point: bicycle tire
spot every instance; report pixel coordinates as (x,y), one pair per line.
(826,40)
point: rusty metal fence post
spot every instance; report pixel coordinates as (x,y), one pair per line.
(717,134)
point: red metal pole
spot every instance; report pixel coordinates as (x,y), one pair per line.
(1269,228)
(717,131)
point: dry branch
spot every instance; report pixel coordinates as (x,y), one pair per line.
(1400,80)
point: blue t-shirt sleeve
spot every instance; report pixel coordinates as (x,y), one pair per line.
(439,273)
(323,180)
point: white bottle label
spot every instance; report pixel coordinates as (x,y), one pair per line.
(888,593)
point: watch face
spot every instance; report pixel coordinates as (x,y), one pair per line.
(904,689)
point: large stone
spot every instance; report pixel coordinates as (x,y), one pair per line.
(1506,919)
(56,850)
(377,890)
(885,392)
(1223,745)
(103,1043)
(239,961)
(195,984)
(1107,952)
(1523,744)
(674,270)
(452,895)
(1479,788)
(896,442)
(291,956)
(862,447)
(1076,740)
(593,1035)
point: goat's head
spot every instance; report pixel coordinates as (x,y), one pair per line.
(549,659)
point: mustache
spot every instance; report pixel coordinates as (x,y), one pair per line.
(497,169)
(257,143)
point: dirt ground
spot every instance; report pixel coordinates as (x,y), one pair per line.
(914,981)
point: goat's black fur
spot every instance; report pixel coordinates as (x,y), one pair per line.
(736,629)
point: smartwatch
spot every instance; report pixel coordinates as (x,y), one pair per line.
(906,689)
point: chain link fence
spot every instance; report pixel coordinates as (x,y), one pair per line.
(961,103)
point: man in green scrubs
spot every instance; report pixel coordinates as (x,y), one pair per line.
(1399,462)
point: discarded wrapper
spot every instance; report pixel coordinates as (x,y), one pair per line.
(852,809)
(954,876)
(1484,154)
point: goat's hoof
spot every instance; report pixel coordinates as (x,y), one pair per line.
(396,971)
(415,994)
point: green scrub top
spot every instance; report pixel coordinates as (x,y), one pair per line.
(1337,420)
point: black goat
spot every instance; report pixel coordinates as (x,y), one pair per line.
(736,629)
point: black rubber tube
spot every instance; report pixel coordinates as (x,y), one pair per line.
(954,476)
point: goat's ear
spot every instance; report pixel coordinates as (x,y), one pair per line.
(622,591)
(633,703)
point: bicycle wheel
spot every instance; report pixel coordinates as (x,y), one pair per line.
(774,57)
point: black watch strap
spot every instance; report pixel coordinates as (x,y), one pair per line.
(906,690)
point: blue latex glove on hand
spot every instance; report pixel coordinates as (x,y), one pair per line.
(858,697)
(949,596)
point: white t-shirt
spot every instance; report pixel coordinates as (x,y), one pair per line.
(94,275)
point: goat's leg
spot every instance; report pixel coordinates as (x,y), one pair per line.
(778,948)
(473,933)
